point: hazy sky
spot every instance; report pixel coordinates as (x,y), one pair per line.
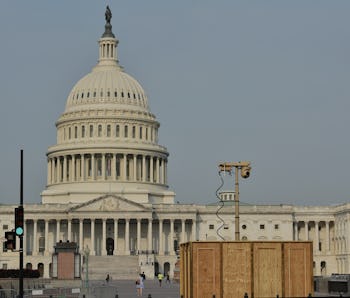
(264,81)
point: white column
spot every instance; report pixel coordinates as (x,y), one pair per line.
(182,231)
(81,223)
(306,230)
(151,169)
(93,176)
(82,167)
(127,236)
(65,168)
(135,167)
(53,170)
(171,244)
(35,240)
(59,169)
(115,252)
(165,178)
(161,252)
(157,170)
(46,237)
(92,227)
(73,169)
(58,230)
(194,229)
(327,236)
(124,167)
(103,166)
(296,238)
(104,252)
(138,234)
(114,168)
(143,168)
(48,171)
(316,241)
(69,232)
(149,235)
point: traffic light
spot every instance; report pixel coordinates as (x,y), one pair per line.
(245,171)
(10,243)
(19,221)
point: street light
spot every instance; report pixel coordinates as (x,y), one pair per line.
(244,167)
(86,255)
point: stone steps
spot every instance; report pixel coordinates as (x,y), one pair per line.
(118,267)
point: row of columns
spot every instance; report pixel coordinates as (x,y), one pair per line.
(107,166)
(316,238)
(104,235)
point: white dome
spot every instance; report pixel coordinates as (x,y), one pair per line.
(107,86)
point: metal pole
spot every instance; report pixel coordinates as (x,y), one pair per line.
(237,236)
(21,292)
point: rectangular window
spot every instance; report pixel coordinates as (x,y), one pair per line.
(262,227)
(211,227)
(125,131)
(140,132)
(5,227)
(76,132)
(69,133)
(134,132)
(277,227)
(108,130)
(146,133)
(83,131)
(91,131)
(117,131)
(100,130)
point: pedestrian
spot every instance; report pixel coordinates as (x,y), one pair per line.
(107,278)
(167,278)
(144,276)
(160,278)
(139,285)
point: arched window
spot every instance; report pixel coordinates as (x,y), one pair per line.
(133,132)
(83,131)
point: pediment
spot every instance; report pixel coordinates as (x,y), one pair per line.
(109,203)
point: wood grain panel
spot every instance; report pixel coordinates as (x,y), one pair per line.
(237,269)
(267,260)
(298,277)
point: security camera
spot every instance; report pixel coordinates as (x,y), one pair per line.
(245,172)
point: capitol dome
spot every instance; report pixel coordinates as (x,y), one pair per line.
(107,139)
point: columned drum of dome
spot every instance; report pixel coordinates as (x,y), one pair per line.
(107,139)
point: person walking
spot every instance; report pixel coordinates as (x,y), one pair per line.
(139,285)
(160,278)
(107,278)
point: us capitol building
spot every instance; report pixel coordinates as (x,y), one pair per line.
(107,191)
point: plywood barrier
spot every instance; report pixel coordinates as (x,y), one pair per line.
(258,268)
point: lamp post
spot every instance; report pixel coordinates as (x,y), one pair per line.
(86,255)
(244,168)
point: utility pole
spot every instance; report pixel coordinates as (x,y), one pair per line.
(244,168)
(20,234)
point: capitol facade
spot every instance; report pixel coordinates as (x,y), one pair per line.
(107,191)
